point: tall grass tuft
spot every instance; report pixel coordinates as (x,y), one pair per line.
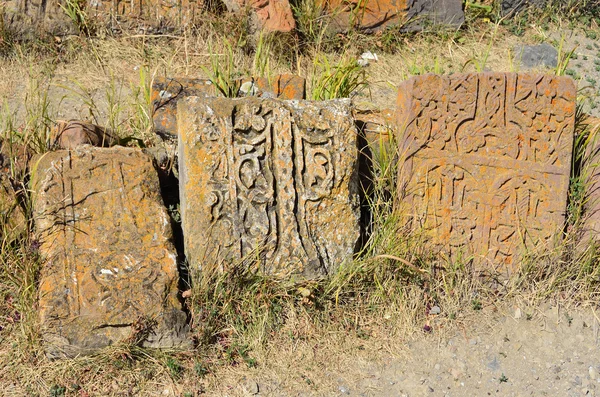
(342,80)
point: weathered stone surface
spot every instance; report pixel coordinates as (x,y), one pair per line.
(73,133)
(270,15)
(110,265)
(50,15)
(269,179)
(166,92)
(377,126)
(485,160)
(282,86)
(509,7)
(590,174)
(370,14)
(13,165)
(438,12)
(535,56)
(374,15)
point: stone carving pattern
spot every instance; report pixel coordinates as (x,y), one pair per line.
(65,231)
(271,174)
(489,156)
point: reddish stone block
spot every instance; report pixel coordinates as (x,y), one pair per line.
(485,161)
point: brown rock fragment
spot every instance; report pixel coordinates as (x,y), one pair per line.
(590,176)
(110,273)
(375,15)
(283,86)
(370,14)
(13,165)
(270,15)
(269,181)
(165,94)
(73,133)
(289,86)
(485,161)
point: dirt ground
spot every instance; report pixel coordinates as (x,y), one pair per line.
(549,351)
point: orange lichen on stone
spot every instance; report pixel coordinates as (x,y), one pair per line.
(289,86)
(268,181)
(467,178)
(109,261)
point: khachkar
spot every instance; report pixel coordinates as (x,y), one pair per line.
(269,181)
(110,271)
(485,161)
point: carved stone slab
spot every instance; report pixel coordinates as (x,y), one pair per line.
(485,160)
(109,263)
(269,180)
(590,174)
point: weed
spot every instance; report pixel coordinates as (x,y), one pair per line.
(57,391)
(224,74)
(312,23)
(480,63)
(75,10)
(503,378)
(564,57)
(175,368)
(200,369)
(260,63)
(342,80)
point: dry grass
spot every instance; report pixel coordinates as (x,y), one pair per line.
(247,325)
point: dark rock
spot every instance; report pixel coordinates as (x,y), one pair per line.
(510,7)
(439,12)
(533,56)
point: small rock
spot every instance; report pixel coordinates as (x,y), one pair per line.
(366,57)
(248,89)
(251,387)
(344,390)
(71,134)
(456,373)
(593,373)
(473,341)
(518,313)
(437,367)
(533,56)
(435,310)
(494,365)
